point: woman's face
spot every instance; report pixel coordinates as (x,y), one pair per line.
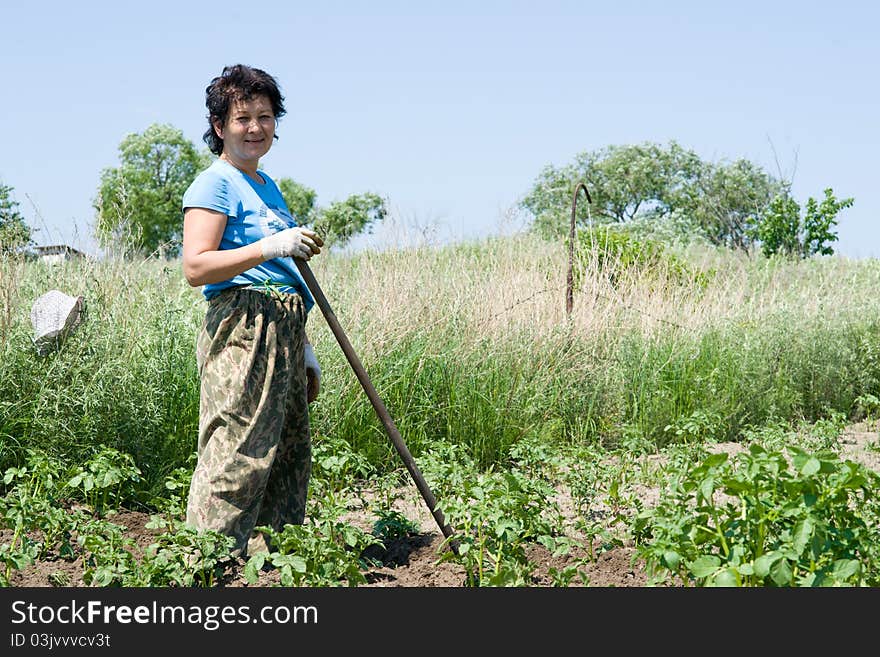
(249,130)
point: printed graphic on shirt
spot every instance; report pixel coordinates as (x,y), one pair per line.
(271,223)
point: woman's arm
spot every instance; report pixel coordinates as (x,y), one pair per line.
(202,262)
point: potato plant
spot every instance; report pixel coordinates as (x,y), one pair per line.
(765,518)
(323,552)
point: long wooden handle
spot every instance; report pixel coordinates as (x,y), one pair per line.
(378,405)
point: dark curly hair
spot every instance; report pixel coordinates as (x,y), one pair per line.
(238,82)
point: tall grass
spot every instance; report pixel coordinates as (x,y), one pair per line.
(468,344)
(474,340)
(126,377)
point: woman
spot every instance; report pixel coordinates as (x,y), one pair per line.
(258,371)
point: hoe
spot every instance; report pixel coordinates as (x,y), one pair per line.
(378,405)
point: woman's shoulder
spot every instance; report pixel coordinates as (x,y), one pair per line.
(215,172)
(211,182)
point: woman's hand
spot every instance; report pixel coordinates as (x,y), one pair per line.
(297,242)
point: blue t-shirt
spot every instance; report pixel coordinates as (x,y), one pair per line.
(253,211)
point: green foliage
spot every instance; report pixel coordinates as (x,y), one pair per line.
(108,555)
(14,232)
(323,552)
(39,475)
(106,480)
(130,380)
(694,428)
(485,385)
(184,556)
(181,556)
(44,524)
(725,201)
(595,485)
(437,400)
(868,406)
(171,505)
(819,220)
(18,554)
(616,251)
(652,184)
(338,222)
(17,514)
(783,230)
(765,520)
(126,378)
(336,467)
(342,220)
(139,202)
(300,200)
(623,181)
(392,525)
(496,515)
(34,503)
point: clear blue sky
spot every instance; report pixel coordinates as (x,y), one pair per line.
(449,109)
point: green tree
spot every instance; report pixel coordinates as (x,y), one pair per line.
(649,183)
(139,202)
(783,230)
(726,200)
(14,232)
(300,200)
(342,220)
(625,182)
(338,222)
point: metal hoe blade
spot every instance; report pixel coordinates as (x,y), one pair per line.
(378,405)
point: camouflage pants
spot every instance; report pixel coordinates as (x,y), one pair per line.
(254,449)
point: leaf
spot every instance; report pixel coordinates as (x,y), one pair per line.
(811,467)
(726,577)
(671,559)
(20,560)
(763,563)
(156,522)
(715,460)
(803,531)
(298,564)
(507,530)
(780,573)
(704,566)
(845,569)
(737,486)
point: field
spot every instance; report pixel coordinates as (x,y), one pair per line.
(701,419)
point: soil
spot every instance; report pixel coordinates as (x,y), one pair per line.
(414,561)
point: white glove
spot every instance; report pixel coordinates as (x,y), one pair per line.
(298,242)
(313,373)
